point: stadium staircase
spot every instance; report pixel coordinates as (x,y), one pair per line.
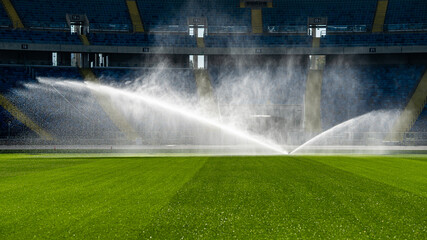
(200,42)
(84,40)
(13,15)
(109,108)
(20,116)
(313,93)
(204,90)
(380,16)
(135,16)
(411,112)
(256,19)
(315,43)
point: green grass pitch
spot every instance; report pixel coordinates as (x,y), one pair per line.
(284,197)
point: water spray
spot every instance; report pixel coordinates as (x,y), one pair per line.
(152,101)
(347,123)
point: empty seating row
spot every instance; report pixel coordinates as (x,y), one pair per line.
(4,19)
(293,13)
(45,37)
(405,39)
(406,12)
(222,15)
(102,14)
(410,15)
(261,41)
(220,41)
(11,77)
(142,40)
(157,14)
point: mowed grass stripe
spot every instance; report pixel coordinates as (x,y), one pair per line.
(21,166)
(414,158)
(408,174)
(104,198)
(287,197)
(385,211)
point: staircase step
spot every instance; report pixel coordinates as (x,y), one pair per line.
(380,16)
(13,15)
(256,20)
(135,16)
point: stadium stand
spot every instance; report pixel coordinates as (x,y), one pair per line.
(102,14)
(178,40)
(142,40)
(296,13)
(421,123)
(381,39)
(58,73)
(10,127)
(12,77)
(254,41)
(73,123)
(45,37)
(13,15)
(350,91)
(135,16)
(406,12)
(222,15)
(4,19)
(408,15)
(360,89)
(379,19)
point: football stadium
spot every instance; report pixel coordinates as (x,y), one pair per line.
(213,119)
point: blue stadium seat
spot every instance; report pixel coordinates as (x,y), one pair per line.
(46,37)
(296,13)
(258,41)
(224,16)
(13,77)
(102,14)
(382,39)
(410,15)
(406,12)
(158,40)
(172,15)
(4,18)
(68,73)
